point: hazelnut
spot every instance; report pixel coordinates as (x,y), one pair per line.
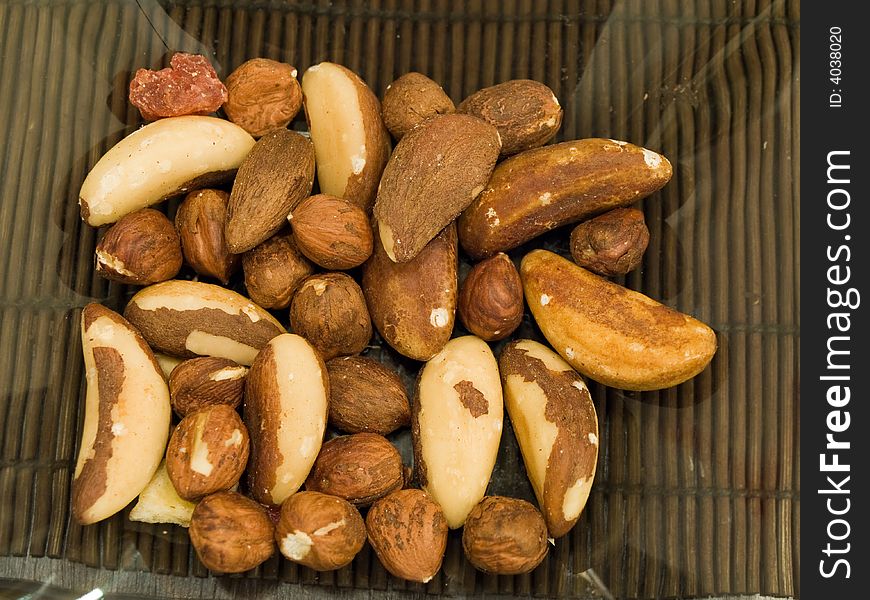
(332,232)
(207,452)
(319,531)
(140,249)
(204,381)
(231,533)
(491,299)
(365,395)
(611,244)
(505,536)
(359,468)
(263,95)
(273,271)
(200,223)
(410,100)
(408,532)
(329,310)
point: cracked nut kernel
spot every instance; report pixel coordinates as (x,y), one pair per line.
(207,452)
(140,249)
(319,531)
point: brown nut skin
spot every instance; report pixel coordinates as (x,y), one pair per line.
(263,94)
(231,533)
(505,536)
(329,310)
(611,244)
(207,452)
(491,299)
(276,175)
(525,112)
(140,249)
(206,381)
(365,395)
(320,531)
(410,100)
(408,532)
(200,223)
(359,468)
(332,232)
(274,269)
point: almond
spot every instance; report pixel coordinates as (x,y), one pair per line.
(408,532)
(329,310)
(207,452)
(359,468)
(140,249)
(275,177)
(544,188)
(332,232)
(434,173)
(365,395)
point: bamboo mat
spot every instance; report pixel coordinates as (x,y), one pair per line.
(697,490)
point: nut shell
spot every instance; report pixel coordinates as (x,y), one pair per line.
(273,271)
(140,249)
(505,536)
(205,381)
(408,532)
(329,310)
(410,100)
(359,468)
(319,531)
(332,232)
(262,94)
(231,533)
(207,452)
(491,299)
(611,244)
(200,223)
(365,395)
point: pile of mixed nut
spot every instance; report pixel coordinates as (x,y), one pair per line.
(254,400)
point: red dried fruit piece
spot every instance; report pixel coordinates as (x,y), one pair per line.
(190,86)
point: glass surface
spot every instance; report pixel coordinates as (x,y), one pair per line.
(697,488)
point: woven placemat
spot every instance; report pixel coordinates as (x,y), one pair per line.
(697,490)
